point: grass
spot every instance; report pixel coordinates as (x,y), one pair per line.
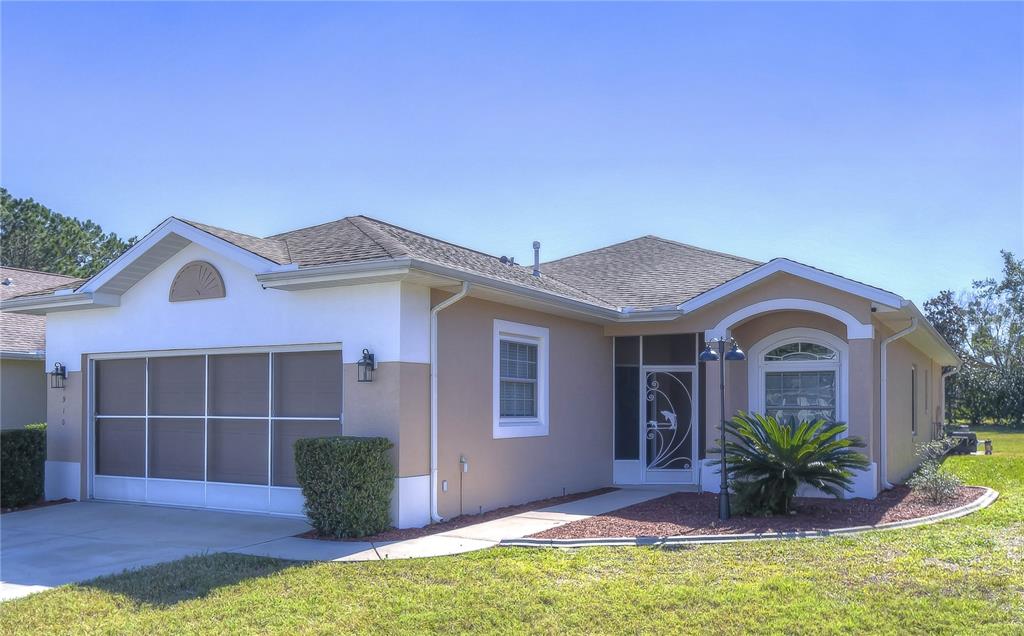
(961,576)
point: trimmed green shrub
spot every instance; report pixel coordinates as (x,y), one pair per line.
(22,465)
(347,483)
(936,485)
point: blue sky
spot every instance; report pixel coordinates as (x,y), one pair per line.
(881,141)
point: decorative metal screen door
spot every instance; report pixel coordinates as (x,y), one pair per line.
(669,416)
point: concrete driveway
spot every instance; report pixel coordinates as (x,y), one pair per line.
(78,541)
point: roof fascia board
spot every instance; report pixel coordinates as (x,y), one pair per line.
(537,295)
(953,359)
(22,355)
(191,233)
(793,268)
(354,273)
(60,302)
(336,275)
(577,306)
(336,271)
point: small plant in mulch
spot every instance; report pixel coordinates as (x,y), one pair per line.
(929,480)
(769,460)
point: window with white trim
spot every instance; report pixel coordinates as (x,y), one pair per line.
(520,380)
(800,381)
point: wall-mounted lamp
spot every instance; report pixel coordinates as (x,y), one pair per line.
(58,376)
(365,366)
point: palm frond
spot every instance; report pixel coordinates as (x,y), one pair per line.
(780,456)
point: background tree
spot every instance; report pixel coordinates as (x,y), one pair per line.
(986,327)
(32,236)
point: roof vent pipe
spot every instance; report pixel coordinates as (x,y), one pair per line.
(536,258)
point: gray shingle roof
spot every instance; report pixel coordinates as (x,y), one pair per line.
(361,238)
(269,248)
(644,273)
(22,333)
(648,272)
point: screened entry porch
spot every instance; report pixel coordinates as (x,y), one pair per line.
(658,414)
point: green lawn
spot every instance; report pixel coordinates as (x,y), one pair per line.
(962,576)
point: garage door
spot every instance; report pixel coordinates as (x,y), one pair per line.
(214,430)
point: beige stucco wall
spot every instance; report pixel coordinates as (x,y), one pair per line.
(395,405)
(22,393)
(576,455)
(902,441)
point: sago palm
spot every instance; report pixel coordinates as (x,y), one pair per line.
(769,460)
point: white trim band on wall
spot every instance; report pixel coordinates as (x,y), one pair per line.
(854,328)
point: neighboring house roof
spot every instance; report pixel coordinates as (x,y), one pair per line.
(648,272)
(21,334)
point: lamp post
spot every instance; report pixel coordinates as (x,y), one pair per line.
(709,355)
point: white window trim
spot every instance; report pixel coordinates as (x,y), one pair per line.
(510,427)
(756,366)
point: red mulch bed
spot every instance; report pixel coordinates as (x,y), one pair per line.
(462,521)
(697,514)
(42,503)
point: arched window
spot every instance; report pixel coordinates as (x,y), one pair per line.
(799,376)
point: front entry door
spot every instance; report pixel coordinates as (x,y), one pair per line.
(669,425)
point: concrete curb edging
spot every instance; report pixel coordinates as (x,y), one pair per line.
(986,499)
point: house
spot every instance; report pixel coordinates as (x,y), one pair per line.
(23,348)
(199,356)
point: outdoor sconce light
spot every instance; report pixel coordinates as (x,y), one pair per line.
(710,355)
(58,376)
(366,365)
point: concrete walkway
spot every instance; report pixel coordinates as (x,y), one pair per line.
(466,539)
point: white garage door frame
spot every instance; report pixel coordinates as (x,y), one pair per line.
(258,498)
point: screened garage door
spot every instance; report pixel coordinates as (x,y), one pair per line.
(213,430)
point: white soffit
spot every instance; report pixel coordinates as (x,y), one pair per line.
(877,296)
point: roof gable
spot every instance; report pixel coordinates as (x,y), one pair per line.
(169,238)
(876,295)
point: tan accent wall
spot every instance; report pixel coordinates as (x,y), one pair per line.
(576,455)
(395,405)
(22,393)
(66,437)
(65,419)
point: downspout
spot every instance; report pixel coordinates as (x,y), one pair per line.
(448,302)
(945,375)
(883,464)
